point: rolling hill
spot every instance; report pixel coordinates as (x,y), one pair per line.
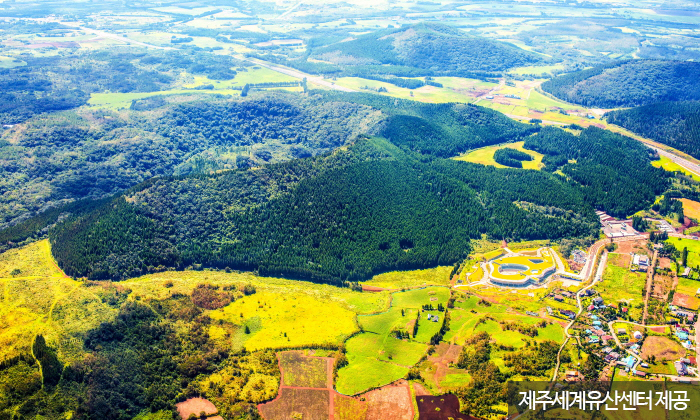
(676,124)
(425,49)
(629,84)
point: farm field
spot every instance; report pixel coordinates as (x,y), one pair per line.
(687,286)
(691,208)
(671,166)
(484,156)
(439,276)
(302,371)
(376,357)
(424,94)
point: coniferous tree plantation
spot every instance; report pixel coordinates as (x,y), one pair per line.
(676,124)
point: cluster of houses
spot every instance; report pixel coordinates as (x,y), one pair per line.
(433,318)
(512,96)
(560,295)
(579,257)
(640,262)
(680,313)
(597,334)
(596,303)
(681,365)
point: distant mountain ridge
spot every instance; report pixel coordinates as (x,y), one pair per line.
(628,84)
(429,46)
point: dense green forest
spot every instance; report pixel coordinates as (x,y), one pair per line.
(92,154)
(676,124)
(613,172)
(426,49)
(511,157)
(347,215)
(629,84)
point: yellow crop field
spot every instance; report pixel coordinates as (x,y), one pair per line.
(402,279)
(691,208)
(288,320)
(484,156)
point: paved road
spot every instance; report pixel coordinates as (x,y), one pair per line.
(300,75)
(692,167)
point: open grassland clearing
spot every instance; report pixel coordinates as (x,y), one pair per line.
(423,94)
(10,62)
(472,315)
(693,249)
(277,320)
(40,299)
(190,82)
(484,156)
(622,285)
(439,276)
(537,70)
(663,348)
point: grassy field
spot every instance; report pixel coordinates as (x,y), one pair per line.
(184,282)
(9,62)
(484,156)
(687,286)
(404,279)
(537,69)
(424,94)
(470,317)
(621,285)
(693,249)
(40,299)
(671,166)
(253,75)
(287,320)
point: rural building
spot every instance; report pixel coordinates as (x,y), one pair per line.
(597,323)
(558,298)
(436,318)
(621,331)
(532,313)
(681,369)
(591,308)
(625,310)
(638,335)
(640,373)
(597,300)
(606,338)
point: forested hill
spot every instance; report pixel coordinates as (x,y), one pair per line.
(676,124)
(629,84)
(96,153)
(352,213)
(426,49)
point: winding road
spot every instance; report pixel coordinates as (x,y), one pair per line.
(598,277)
